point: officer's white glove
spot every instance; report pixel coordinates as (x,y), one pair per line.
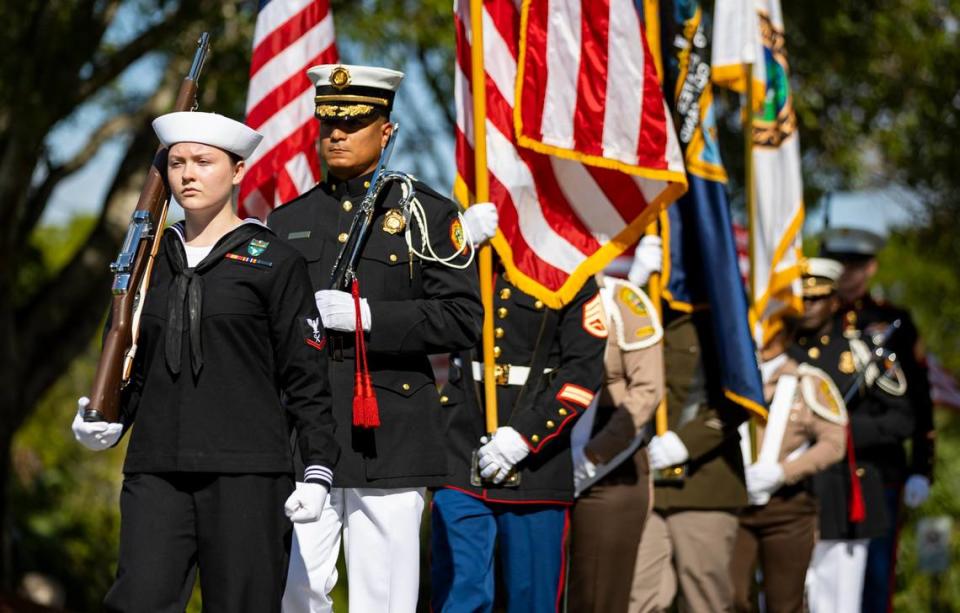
(95,435)
(306,502)
(647,260)
(498,457)
(338,313)
(583,469)
(481,221)
(916,491)
(763,479)
(667,450)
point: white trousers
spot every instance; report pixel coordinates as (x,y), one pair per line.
(381,537)
(835,578)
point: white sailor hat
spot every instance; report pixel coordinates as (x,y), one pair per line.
(820,276)
(208,129)
(353,91)
(847,243)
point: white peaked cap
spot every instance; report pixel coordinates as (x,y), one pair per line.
(824,268)
(208,129)
(357,76)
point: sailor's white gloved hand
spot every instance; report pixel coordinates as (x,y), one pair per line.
(763,479)
(498,456)
(667,450)
(481,221)
(95,435)
(647,260)
(338,313)
(306,502)
(583,468)
(916,491)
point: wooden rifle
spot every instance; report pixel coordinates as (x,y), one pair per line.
(345,266)
(133,265)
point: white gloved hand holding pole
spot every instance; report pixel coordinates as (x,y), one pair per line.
(94,435)
(498,456)
(763,479)
(667,450)
(583,468)
(481,221)
(647,259)
(306,502)
(338,313)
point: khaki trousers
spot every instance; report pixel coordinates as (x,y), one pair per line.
(689,549)
(781,534)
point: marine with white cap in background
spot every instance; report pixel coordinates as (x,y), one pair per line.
(805,433)
(230,352)
(418,295)
(850,493)
(863,315)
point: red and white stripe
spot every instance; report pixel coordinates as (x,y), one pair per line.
(290,37)
(590,85)
(555,213)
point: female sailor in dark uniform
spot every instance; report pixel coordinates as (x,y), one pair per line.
(230,355)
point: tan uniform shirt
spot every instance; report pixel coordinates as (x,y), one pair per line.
(818,418)
(633,369)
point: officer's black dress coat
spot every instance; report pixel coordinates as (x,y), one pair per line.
(256,344)
(417,308)
(575,353)
(866,317)
(879,423)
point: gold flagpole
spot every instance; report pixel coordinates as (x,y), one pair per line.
(655,289)
(750,202)
(482,194)
(651,20)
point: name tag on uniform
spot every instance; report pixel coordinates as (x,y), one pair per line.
(300,234)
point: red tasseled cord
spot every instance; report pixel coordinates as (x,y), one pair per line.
(366,413)
(856,511)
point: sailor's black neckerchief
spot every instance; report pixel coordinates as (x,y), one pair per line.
(187,285)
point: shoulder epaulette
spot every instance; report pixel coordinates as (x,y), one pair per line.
(820,393)
(638,326)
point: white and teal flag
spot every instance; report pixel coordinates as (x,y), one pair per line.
(750,32)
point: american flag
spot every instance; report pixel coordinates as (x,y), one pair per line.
(290,36)
(581,150)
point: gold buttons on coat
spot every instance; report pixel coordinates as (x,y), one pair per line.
(824,339)
(496,352)
(562,411)
(366,184)
(343,237)
(814,353)
(347,205)
(502,312)
(406,387)
(393,257)
(505,293)
(538,304)
(550,423)
(498,332)
(535,438)
(860,472)
(444,399)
